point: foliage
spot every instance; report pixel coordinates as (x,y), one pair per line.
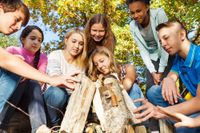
(126,51)
(64,14)
(8,41)
(185,11)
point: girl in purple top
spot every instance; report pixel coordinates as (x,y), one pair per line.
(27,93)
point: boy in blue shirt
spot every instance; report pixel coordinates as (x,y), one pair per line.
(173,38)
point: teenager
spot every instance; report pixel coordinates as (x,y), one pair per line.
(13,15)
(143,29)
(28,91)
(62,62)
(186,66)
(102,62)
(98,33)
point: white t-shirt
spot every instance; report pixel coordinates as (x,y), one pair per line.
(57,65)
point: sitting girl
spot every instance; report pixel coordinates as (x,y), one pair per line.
(62,62)
(24,92)
(102,61)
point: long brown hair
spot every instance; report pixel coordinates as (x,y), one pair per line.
(108,41)
(93,73)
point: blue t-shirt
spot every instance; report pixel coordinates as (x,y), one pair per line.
(189,69)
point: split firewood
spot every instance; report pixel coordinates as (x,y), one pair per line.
(44,129)
(117,116)
(78,107)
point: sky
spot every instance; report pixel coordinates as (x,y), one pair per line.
(49,35)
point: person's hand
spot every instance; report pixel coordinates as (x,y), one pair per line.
(66,81)
(182,120)
(171,115)
(170,92)
(185,121)
(146,111)
(156,77)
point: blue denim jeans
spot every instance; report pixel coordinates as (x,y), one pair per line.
(154,95)
(8,83)
(32,100)
(12,91)
(136,93)
(56,100)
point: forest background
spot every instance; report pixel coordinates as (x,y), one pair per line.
(61,15)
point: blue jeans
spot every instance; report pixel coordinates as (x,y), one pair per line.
(56,100)
(8,83)
(28,92)
(136,93)
(154,95)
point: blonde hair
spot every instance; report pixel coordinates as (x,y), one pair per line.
(81,59)
(93,72)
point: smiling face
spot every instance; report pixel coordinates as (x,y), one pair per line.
(170,38)
(10,21)
(102,63)
(139,11)
(33,41)
(97,32)
(74,44)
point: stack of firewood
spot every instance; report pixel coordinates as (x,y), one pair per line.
(111,103)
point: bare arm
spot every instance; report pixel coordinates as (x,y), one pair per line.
(180,119)
(170,92)
(18,66)
(130,77)
(189,106)
(187,121)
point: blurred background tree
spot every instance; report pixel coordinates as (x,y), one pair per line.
(61,15)
(7,41)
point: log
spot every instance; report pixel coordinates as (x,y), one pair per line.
(117,116)
(44,129)
(165,127)
(78,107)
(130,105)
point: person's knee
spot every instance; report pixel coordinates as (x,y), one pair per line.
(55,97)
(136,92)
(153,92)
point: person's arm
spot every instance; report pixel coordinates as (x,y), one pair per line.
(170,92)
(147,110)
(180,119)
(187,121)
(18,66)
(143,51)
(161,17)
(189,106)
(130,77)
